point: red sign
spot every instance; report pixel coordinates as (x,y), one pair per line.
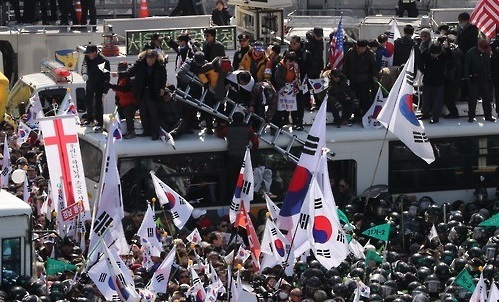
(71,211)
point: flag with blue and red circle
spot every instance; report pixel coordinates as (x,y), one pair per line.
(244,187)
(300,182)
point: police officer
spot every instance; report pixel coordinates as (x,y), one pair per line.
(244,47)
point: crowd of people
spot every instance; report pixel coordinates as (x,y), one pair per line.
(413,266)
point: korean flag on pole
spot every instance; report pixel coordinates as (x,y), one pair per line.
(180,208)
(148,232)
(244,188)
(159,280)
(328,240)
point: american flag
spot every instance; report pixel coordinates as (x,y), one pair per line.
(336,48)
(486,17)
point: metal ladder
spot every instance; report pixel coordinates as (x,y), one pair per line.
(290,139)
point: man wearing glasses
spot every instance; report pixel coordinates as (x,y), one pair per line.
(244,47)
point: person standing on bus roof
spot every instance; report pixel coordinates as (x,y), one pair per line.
(95,71)
(67,12)
(184,8)
(155,44)
(409,6)
(182,47)
(88,10)
(148,88)
(239,135)
(477,73)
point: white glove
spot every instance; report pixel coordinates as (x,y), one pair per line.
(85,77)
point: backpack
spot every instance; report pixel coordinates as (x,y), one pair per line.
(225,64)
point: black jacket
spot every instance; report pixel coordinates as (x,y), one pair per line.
(434,69)
(220,17)
(213,50)
(316,49)
(467,37)
(156,80)
(402,50)
(359,67)
(98,81)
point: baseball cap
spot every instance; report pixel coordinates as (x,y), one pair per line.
(91,48)
(362,43)
(258,46)
(243,37)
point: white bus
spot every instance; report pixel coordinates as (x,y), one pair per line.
(15,238)
(197,169)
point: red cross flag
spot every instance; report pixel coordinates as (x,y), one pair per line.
(64,159)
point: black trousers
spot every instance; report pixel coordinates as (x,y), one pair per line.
(480,87)
(95,109)
(88,12)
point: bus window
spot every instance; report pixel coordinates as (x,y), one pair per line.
(11,257)
(460,161)
(51,99)
(91,158)
(80,99)
(195,176)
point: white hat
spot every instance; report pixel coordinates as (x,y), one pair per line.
(198,213)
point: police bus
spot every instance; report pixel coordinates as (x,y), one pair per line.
(197,168)
(15,238)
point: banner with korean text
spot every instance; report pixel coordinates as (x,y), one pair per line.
(64,161)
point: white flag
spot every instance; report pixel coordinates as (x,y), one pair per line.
(110,206)
(159,280)
(289,216)
(480,292)
(48,204)
(399,118)
(34,111)
(272,208)
(23,132)
(166,137)
(493,293)
(6,168)
(369,120)
(328,239)
(242,254)
(196,290)
(394,35)
(148,232)
(180,208)
(215,287)
(194,237)
(357,249)
(244,188)
(236,286)
(433,233)
(65,104)
(100,275)
(319,85)
(120,277)
(279,245)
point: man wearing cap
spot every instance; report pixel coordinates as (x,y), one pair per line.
(182,47)
(315,44)
(95,71)
(477,72)
(255,61)
(211,47)
(155,44)
(244,47)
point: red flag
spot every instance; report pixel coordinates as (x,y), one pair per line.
(243,220)
(486,17)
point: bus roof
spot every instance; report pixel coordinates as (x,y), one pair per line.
(10,205)
(198,142)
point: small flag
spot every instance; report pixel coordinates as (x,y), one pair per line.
(373,256)
(433,233)
(53,266)
(493,293)
(166,137)
(464,280)
(491,222)
(194,237)
(380,232)
(480,292)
